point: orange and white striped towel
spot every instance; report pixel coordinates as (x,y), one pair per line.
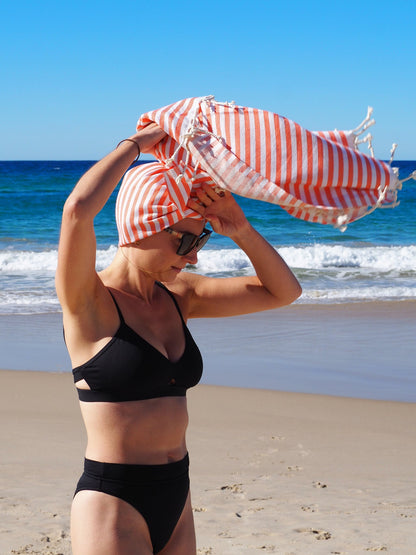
(316,176)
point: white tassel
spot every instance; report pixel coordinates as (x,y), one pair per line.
(392,151)
(367,139)
(192,130)
(342,223)
(411,176)
(365,124)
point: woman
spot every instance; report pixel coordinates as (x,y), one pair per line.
(134,358)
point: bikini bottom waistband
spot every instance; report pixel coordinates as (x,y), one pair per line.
(136,473)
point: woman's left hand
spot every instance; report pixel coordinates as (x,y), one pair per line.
(219,207)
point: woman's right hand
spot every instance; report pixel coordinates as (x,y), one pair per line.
(148,137)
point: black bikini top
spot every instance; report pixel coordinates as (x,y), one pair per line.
(129,368)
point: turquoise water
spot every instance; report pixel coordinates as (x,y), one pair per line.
(374,259)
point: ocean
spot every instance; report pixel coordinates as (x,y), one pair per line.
(373,260)
(342,337)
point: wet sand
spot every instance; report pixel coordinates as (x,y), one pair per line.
(362,350)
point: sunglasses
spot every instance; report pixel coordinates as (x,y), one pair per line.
(189,241)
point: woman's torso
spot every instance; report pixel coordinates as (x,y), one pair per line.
(133,396)
(136,432)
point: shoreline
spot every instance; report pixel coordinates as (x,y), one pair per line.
(271,472)
(361,350)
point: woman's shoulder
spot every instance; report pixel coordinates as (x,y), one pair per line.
(184,288)
(185,283)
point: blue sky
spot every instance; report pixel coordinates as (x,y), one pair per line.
(76,75)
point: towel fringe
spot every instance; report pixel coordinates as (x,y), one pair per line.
(362,128)
(189,134)
(365,124)
(411,176)
(367,139)
(392,152)
(341,224)
(342,221)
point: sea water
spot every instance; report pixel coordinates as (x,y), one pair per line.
(320,351)
(373,260)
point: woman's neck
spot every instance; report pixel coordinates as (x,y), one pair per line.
(126,276)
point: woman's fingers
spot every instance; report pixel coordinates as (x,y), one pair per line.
(197,206)
(149,136)
(208,195)
(219,191)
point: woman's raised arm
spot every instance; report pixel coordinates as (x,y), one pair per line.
(274,284)
(76,278)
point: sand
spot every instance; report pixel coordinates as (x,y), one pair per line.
(271,472)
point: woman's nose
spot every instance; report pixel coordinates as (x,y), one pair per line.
(192,257)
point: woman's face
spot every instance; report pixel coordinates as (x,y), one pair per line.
(156,255)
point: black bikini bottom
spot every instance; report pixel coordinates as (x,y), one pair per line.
(158,491)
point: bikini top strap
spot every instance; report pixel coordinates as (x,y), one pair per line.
(172,296)
(120,314)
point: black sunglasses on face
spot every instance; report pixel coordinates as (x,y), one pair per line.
(189,241)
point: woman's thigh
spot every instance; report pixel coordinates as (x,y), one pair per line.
(182,540)
(102,524)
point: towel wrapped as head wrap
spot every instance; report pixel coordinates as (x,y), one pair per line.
(151,198)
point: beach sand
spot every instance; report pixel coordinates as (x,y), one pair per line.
(271,472)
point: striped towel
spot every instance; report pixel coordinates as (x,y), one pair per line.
(316,176)
(151,198)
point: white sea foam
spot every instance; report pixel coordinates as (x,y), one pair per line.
(43,262)
(338,256)
(27,262)
(318,257)
(328,273)
(225,261)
